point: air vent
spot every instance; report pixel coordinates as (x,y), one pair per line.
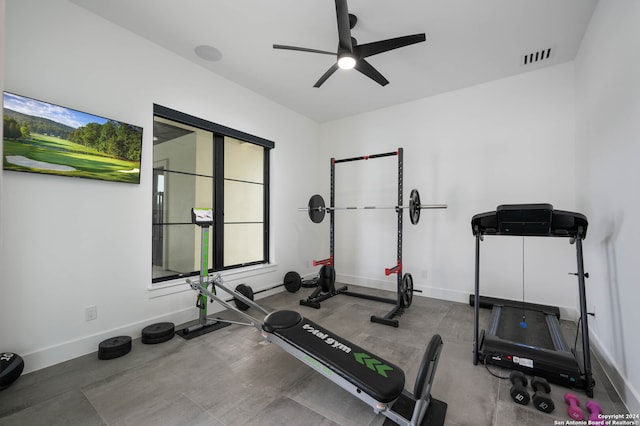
(535,57)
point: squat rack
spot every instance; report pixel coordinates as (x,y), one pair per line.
(404,284)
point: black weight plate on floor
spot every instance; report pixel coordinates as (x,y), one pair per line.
(158,333)
(11,366)
(316,208)
(407,290)
(292,281)
(114,347)
(327,279)
(414,206)
(247,292)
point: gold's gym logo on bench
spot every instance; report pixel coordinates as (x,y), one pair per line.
(372,363)
(325,337)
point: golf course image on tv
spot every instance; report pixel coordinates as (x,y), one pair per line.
(40,137)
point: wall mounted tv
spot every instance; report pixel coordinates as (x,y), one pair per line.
(40,137)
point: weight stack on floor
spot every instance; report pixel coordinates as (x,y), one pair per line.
(158,333)
(114,347)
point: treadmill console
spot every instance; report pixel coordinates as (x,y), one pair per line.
(535,220)
(528,219)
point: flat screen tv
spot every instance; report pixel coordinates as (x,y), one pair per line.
(40,137)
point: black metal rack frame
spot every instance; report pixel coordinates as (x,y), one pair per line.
(389,318)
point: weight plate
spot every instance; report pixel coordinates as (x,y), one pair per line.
(247,292)
(414,206)
(327,278)
(316,208)
(292,281)
(407,290)
(11,366)
(158,333)
(114,347)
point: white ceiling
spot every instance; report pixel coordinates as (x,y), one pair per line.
(468,42)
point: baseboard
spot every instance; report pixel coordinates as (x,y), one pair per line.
(628,393)
(65,351)
(71,349)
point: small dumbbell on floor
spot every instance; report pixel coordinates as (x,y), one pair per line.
(541,398)
(573,410)
(594,413)
(518,389)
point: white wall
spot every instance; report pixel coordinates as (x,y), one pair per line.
(71,243)
(608,149)
(503,142)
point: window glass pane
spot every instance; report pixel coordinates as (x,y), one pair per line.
(184,149)
(178,250)
(181,193)
(182,178)
(243,161)
(243,243)
(243,202)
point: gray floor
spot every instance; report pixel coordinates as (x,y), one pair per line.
(230,377)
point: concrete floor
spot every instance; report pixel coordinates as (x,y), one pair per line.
(231,377)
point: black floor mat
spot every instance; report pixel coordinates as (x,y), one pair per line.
(435,415)
(204,330)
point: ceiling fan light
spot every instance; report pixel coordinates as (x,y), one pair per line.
(346,62)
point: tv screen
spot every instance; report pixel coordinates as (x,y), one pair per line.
(40,137)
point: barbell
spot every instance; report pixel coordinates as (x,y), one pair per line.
(317,208)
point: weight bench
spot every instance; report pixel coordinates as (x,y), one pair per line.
(373,380)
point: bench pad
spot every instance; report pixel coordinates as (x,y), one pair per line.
(378,378)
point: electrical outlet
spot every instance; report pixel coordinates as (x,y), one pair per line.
(90,313)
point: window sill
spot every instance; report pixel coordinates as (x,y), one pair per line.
(179,285)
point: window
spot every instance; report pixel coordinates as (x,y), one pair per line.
(197,163)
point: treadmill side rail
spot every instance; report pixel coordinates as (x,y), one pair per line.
(559,342)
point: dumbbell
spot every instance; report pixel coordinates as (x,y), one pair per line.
(573,410)
(541,398)
(518,391)
(594,413)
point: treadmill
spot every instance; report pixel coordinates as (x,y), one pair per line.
(539,349)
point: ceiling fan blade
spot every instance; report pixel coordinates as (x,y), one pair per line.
(326,75)
(367,69)
(302,49)
(344,29)
(370,49)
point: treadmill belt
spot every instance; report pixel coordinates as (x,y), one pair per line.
(536,334)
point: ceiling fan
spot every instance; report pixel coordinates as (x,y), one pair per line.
(350,54)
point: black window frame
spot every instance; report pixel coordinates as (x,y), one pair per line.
(219,133)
